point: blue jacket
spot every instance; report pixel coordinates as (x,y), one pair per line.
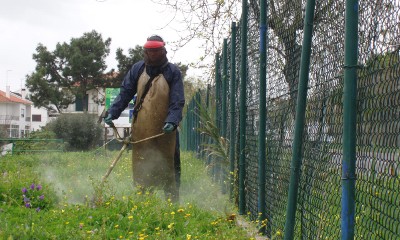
(129,88)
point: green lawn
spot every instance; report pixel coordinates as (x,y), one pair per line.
(59,189)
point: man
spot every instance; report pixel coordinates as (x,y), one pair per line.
(158,108)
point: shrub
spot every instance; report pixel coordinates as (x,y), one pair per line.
(79,131)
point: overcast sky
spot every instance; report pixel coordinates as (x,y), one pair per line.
(25,23)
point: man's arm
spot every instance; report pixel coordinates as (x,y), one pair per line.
(176,96)
(127,91)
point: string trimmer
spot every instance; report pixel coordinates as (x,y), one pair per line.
(126,141)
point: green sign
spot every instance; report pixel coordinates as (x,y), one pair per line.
(111,94)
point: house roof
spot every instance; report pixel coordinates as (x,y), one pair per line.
(13,98)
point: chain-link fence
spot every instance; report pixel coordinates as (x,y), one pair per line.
(377,129)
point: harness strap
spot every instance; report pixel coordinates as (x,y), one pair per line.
(138,106)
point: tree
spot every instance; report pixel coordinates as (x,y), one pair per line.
(125,62)
(69,71)
(191,86)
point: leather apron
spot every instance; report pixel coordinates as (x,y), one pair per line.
(153,160)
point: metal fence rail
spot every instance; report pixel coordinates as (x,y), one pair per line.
(321,201)
(33,145)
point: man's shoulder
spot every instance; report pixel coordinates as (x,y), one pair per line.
(138,65)
(173,67)
(136,69)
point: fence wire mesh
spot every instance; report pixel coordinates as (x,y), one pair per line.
(378,118)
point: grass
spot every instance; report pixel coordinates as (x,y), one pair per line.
(57,205)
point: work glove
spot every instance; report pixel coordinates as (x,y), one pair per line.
(169,127)
(108,120)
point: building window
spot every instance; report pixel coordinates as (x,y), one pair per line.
(81,103)
(22,113)
(27,131)
(13,131)
(36,118)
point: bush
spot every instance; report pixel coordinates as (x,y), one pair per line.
(79,131)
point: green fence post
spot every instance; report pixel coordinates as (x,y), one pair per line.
(262,117)
(300,119)
(197,122)
(349,119)
(217,89)
(216,167)
(193,115)
(224,95)
(187,128)
(208,96)
(208,107)
(224,86)
(190,126)
(242,121)
(182,133)
(232,109)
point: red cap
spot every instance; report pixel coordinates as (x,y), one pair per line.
(154,44)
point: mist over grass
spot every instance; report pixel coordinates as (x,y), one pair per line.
(75,176)
(64,184)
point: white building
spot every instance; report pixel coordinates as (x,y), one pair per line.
(89,102)
(15,114)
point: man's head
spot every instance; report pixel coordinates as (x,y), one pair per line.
(155,53)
